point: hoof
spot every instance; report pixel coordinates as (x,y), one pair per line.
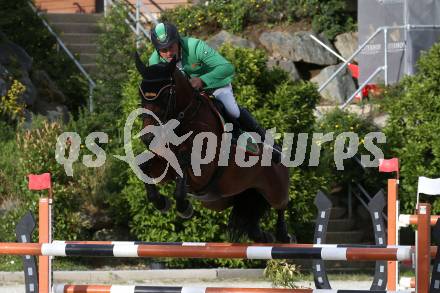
(264,237)
(165,206)
(293,239)
(287,239)
(187,213)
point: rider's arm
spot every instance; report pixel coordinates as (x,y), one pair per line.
(221,70)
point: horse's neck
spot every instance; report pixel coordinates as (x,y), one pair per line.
(184,91)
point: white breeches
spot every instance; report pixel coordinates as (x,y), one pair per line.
(226,96)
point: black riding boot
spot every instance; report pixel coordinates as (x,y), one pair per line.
(248,123)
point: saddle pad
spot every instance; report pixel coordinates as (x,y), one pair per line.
(249,145)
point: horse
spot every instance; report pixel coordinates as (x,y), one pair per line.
(166,92)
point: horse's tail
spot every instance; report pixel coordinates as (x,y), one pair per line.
(248,208)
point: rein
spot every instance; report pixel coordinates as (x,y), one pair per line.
(172,103)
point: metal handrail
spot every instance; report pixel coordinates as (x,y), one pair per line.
(379,69)
(137,27)
(373,75)
(92,84)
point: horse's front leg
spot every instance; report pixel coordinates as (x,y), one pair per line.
(183,206)
(159,201)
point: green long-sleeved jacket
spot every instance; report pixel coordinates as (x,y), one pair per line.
(200,60)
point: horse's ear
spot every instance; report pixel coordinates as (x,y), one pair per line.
(140,66)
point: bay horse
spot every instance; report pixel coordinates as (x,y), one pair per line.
(166,91)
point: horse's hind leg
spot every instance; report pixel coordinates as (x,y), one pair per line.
(249,207)
(281,229)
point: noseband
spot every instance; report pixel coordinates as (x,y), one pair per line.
(171,103)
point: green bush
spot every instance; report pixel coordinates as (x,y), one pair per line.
(329,16)
(337,122)
(282,274)
(232,15)
(23,27)
(116,47)
(412,128)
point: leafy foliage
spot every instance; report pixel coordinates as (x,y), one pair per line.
(330,16)
(116,47)
(340,122)
(10,106)
(281,273)
(23,27)
(232,15)
(412,129)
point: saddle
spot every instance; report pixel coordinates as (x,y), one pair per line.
(249,145)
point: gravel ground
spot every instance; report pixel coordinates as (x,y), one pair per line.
(13,282)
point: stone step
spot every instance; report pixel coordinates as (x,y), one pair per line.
(74,17)
(90,67)
(87,58)
(80,38)
(341,225)
(350,237)
(73,27)
(337,212)
(83,48)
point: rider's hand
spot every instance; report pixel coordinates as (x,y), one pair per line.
(196,83)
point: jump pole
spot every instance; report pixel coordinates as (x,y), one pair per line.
(187,289)
(43,182)
(393,231)
(423,258)
(324,252)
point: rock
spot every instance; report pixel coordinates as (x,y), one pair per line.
(286,65)
(12,54)
(297,47)
(46,88)
(347,44)
(381,121)
(3,87)
(340,88)
(30,93)
(52,111)
(225,37)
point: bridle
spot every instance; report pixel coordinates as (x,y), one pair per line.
(171,103)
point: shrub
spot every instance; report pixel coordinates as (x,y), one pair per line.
(412,128)
(116,47)
(339,121)
(281,273)
(36,40)
(10,107)
(232,15)
(330,17)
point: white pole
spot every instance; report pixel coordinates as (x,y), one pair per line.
(385,53)
(138,8)
(328,48)
(105,8)
(406,26)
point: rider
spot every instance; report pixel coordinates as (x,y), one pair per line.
(207,69)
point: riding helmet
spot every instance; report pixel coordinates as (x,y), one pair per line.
(164,34)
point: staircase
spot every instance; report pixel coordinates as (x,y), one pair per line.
(79,31)
(343,230)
